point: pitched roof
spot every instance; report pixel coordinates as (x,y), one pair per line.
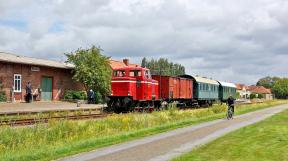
(241,87)
(259,89)
(121,64)
(11,58)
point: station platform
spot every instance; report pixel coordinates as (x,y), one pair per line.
(20,107)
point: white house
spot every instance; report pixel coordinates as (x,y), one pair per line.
(243,90)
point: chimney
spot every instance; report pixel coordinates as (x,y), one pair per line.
(126,62)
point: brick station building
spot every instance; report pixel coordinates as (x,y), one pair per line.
(49,78)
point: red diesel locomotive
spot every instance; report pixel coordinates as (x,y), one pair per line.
(131,88)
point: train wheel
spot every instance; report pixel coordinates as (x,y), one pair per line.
(110,105)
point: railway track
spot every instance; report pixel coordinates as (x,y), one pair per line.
(32,121)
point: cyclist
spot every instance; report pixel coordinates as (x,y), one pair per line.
(230,103)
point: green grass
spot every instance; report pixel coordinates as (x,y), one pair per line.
(263,141)
(63,138)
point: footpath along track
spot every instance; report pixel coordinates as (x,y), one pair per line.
(31,118)
(165,146)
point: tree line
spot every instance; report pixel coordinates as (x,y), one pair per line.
(163,67)
(278,85)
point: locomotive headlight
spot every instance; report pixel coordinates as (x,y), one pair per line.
(128,93)
(111,93)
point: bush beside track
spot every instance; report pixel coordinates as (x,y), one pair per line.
(61,138)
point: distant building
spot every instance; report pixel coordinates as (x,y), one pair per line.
(243,91)
(267,94)
(49,78)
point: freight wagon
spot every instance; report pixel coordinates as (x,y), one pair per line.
(173,88)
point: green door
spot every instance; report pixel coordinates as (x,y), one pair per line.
(46,89)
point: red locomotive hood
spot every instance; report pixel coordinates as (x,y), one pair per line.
(123,78)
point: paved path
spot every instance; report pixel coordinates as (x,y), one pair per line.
(168,145)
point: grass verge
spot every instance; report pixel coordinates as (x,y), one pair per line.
(263,141)
(58,139)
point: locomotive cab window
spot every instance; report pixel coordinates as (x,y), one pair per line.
(147,74)
(135,73)
(119,73)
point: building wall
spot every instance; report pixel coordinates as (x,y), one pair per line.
(269,96)
(61,80)
(244,94)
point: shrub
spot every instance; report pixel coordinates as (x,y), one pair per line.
(238,95)
(75,95)
(260,96)
(3,97)
(98,97)
(252,95)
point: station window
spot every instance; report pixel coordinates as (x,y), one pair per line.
(17,82)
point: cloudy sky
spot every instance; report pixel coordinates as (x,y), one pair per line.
(236,41)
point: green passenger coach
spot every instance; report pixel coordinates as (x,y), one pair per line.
(206,91)
(226,89)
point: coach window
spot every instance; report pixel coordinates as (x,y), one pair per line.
(17,82)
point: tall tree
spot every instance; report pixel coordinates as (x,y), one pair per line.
(92,69)
(144,63)
(164,67)
(267,82)
(280,88)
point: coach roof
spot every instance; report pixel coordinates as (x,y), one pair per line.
(201,79)
(206,80)
(226,84)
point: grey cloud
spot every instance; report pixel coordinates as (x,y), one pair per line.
(237,41)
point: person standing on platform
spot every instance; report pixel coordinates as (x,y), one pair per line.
(28,92)
(91,96)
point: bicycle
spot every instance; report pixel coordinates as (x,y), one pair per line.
(230,112)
